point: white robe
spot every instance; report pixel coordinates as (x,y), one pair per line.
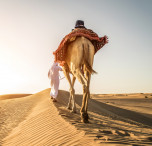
(54,76)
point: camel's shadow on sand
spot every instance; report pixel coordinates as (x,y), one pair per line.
(107,123)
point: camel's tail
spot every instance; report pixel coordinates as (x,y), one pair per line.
(88,67)
(86,62)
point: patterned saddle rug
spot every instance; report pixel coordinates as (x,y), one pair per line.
(98,42)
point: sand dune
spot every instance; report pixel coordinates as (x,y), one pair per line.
(34,120)
(114,120)
(11,96)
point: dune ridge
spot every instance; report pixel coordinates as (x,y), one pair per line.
(11,96)
(43,125)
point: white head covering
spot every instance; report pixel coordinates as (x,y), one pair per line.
(53,67)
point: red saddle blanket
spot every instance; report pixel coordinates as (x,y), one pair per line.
(98,42)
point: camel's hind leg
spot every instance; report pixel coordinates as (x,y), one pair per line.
(85,82)
(86,97)
(72,91)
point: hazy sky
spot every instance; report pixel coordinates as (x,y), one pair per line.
(30,30)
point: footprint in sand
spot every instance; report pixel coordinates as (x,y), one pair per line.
(115,132)
(105,131)
(149,138)
(122,133)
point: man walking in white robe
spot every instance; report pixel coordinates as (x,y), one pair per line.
(53,74)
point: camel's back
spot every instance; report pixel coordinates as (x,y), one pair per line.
(78,50)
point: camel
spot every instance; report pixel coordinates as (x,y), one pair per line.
(79,61)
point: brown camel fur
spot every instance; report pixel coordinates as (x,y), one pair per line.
(79,62)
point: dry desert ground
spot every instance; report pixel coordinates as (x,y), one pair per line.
(114,119)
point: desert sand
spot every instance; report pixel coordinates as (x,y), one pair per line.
(114,119)
(9,96)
